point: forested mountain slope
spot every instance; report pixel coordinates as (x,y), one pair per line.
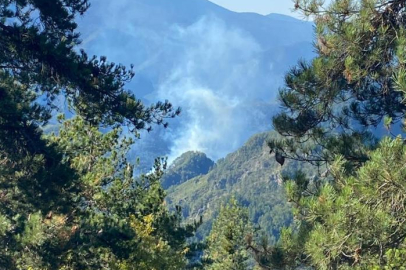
(252,175)
(185,167)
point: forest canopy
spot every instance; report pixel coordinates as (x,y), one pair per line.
(71,200)
(334,111)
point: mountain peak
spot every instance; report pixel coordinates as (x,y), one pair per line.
(185,167)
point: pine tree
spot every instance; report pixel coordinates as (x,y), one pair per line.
(39,50)
(122,221)
(66,201)
(116,221)
(356,82)
(227,245)
(357,222)
(351,216)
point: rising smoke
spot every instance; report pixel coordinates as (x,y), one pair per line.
(222,77)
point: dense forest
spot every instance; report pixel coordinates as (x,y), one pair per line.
(325,190)
(251,175)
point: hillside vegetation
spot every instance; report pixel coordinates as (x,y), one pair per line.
(185,167)
(324,191)
(251,174)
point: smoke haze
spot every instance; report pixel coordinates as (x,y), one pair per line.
(222,68)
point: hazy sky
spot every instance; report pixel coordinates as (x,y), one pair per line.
(259,6)
(262,6)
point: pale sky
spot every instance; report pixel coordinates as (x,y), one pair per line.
(259,6)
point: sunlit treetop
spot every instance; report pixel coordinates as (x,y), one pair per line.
(356,82)
(39,49)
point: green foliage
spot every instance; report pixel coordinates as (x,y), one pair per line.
(395,259)
(365,212)
(351,216)
(113,221)
(332,104)
(227,240)
(122,221)
(252,176)
(355,222)
(39,49)
(185,167)
(33,179)
(70,201)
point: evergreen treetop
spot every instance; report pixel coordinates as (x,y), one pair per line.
(356,82)
(70,201)
(351,216)
(39,50)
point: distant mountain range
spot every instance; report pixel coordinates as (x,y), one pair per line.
(222,68)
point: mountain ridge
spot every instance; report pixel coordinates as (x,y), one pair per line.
(250,174)
(189,165)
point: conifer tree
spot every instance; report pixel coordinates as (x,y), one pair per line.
(70,201)
(356,82)
(227,248)
(351,216)
(121,221)
(355,222)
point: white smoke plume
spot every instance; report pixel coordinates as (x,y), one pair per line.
(224,74)
(216,82)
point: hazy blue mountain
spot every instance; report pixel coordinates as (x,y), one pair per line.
(222,68)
